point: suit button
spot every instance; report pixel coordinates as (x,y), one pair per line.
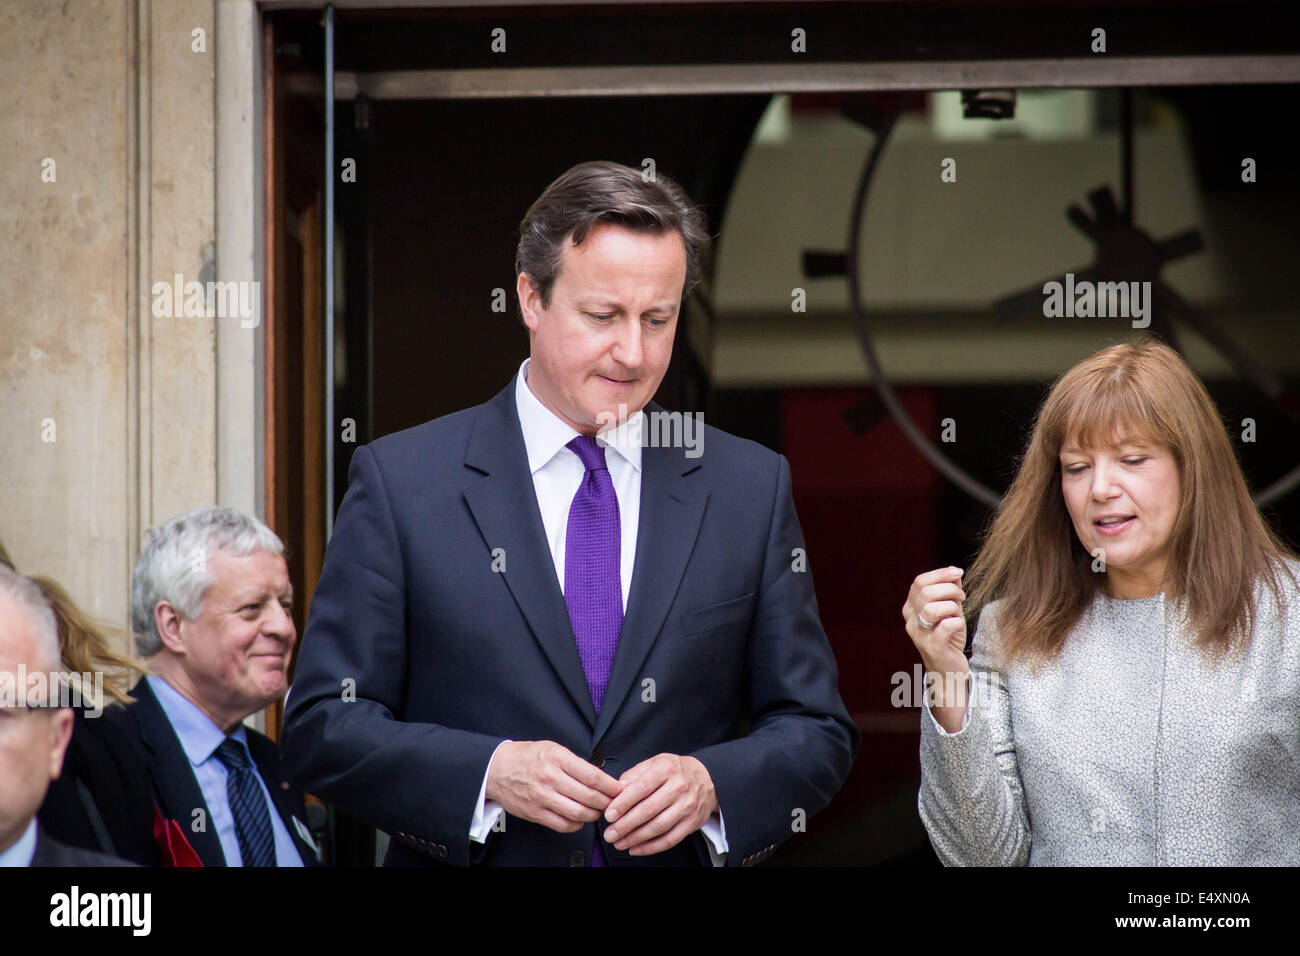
(577,858)
(598,758)
(442,850)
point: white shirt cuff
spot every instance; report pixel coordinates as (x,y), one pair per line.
(715,834)
(970,705)
(487,812)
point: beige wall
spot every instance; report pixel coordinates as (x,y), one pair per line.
(132,398)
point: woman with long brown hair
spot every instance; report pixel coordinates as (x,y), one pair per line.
(1133,693)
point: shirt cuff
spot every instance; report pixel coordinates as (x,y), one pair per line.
(715,834)
(486,812)
(970,705)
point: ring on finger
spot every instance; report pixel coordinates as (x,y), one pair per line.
(920,619)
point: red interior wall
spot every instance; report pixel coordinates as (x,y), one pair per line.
(869,506)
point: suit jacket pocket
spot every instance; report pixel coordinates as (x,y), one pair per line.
(716,617)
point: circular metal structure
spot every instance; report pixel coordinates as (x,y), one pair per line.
(1120,245)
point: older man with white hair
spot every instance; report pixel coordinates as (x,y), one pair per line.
(34,729)
(212,608)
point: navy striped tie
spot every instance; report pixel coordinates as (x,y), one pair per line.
(248,805)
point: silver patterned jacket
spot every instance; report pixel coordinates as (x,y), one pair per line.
(1132,748)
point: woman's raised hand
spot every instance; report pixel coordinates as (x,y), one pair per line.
(936,599)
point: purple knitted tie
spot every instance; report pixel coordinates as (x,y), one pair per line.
(593,589)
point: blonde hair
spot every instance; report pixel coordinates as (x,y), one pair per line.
(83,647)
(1220,547)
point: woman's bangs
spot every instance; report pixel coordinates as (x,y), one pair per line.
(1107,416)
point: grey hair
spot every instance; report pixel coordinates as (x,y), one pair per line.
(27,594)
(174,564)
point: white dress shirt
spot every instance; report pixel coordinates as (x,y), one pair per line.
(557,475)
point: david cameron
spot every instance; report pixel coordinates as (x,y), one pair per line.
(541,637)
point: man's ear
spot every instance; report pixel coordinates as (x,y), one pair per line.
(60,734)
(529,300)
(167,621)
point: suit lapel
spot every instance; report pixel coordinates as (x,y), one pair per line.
(172,775)
(671,514)
(503,502)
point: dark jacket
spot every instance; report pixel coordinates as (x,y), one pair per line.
(177,792)
(102,800)
(50,852)
(423,651)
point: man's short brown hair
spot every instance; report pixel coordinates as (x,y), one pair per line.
(604,192)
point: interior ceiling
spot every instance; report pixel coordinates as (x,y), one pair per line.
(874,32)
(1218,119)
(394,41)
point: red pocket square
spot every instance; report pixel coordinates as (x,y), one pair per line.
(173,848)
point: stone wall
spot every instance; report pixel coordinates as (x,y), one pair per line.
(108,413)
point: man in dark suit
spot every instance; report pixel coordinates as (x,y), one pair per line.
(563,627)
(50,852)
(211,607)
(34,728)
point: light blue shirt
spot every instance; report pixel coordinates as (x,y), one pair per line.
(23,849)
(200,738)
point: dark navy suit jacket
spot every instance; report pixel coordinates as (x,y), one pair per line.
(446,653)
(50,852)
(177,792)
